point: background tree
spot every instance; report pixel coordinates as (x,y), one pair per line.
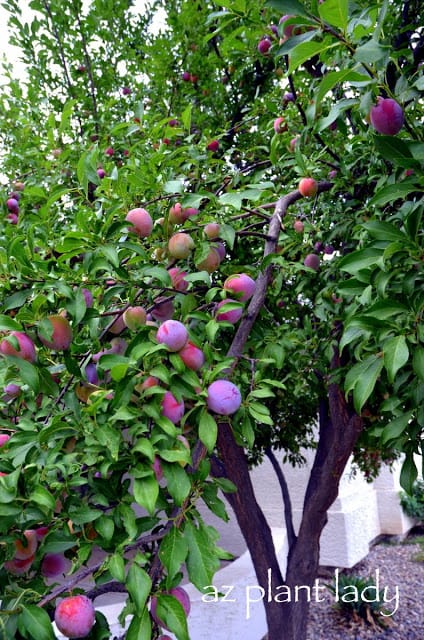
(213,120)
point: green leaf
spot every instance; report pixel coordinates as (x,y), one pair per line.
(82,514)
(395,428)
(186,117)
(8,324)
(335,12)
(146,492)
(233,199)
(392,192)
(384,231)
(408,473)
(361,379)
(41,496)
(27,371)
(170,611)
(337,77)
(173,551)
(396,354)
(201,561)
(36,621)
(215,504)
(105,527)
(384,309)
(288,7)
(139,585)
(116,565)
(208,430)
(177,481)
(351,334)
(418,362)
(371,52)
(140,627)
(307,50)
(359,260)
(393,149)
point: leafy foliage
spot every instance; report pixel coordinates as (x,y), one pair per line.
(413,504)
(354,599)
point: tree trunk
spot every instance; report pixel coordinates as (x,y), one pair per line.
(339,429)
(252,523)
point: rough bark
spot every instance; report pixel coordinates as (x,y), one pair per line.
(339,429)
(252,522)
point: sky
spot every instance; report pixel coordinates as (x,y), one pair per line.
(6,39)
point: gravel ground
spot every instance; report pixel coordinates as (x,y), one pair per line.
(396,567)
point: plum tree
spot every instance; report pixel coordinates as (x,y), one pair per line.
(74,616)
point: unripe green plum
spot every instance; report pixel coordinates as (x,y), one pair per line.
(211,262)
(240,285)
(176,215)
(141,221)
(134,317)
(212,230)
(75,616)
(180,245)
(55,332)
(23,551)
(25,347)
(173,334)
(224,397)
